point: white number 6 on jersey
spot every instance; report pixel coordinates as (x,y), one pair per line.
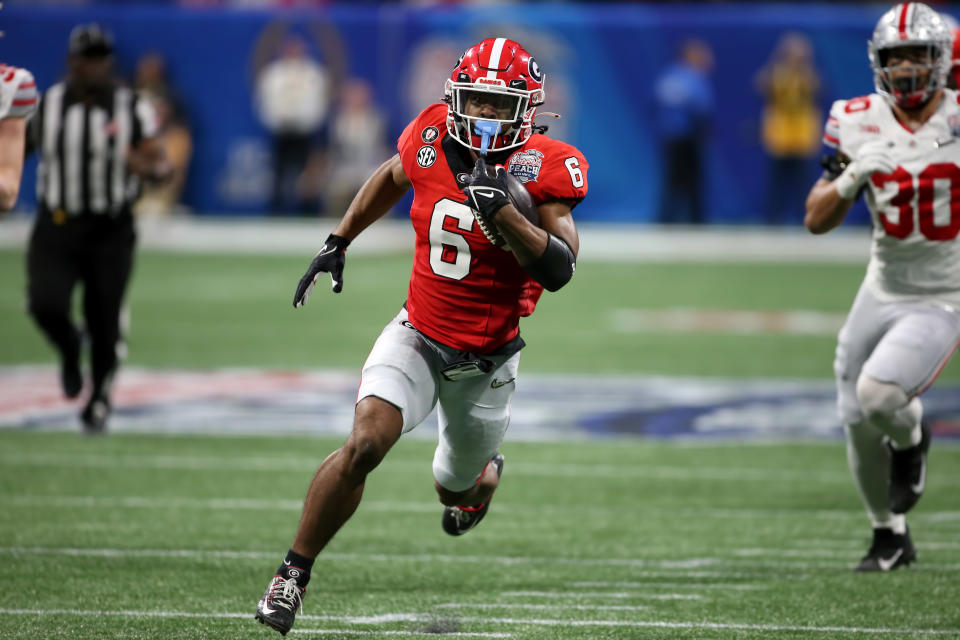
(573,166)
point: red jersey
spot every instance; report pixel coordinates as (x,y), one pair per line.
(464,291)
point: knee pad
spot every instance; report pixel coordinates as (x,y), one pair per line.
(879,399)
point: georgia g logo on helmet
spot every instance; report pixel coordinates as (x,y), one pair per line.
(500,72)
(918,42)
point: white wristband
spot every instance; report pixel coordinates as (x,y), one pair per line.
(847,183)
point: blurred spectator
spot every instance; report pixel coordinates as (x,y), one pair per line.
(357,140)
(791,125)
(293,99)
(159,199)
(684,110)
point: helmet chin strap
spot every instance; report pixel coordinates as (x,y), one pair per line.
(487,130)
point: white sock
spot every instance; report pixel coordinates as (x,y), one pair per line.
(897,522)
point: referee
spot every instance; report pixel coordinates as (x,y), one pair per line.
(97,140)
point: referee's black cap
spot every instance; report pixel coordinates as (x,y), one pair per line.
(90,41)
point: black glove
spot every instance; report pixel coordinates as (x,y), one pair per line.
(330,259)
(486,190)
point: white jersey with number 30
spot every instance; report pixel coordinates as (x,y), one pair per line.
(916,208)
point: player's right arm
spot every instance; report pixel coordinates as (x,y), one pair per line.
(826,208)
(843,179)
(12,133)
(18,100)
(378,194)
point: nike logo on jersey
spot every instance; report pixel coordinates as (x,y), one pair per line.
(496,384)
(886,564)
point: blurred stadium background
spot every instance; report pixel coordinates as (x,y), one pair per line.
(674,460)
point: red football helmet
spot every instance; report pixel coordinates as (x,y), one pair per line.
(509,78)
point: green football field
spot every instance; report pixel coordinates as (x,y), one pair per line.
(149,536)
(176,537)
(203,311)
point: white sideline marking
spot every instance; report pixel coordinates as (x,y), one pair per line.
(602,242)
(389,506)
(566,470)
(705,625)
(400,617)
(726,586)
(616,595)
(507,621)
(680,567)
(740,322)
(544,607)
(384,632)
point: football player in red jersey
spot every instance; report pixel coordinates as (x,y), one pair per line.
(18,100)
(456,341)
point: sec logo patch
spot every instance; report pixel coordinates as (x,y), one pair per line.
(429,134)
(426,156)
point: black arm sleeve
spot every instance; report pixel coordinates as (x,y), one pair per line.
(555,266)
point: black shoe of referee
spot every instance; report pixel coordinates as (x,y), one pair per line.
(70,377)
(95,414)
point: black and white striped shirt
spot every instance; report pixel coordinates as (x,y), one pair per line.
(83,149)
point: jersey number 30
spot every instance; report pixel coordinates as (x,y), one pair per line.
(945,172)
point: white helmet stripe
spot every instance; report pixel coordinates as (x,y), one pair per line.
(494,63)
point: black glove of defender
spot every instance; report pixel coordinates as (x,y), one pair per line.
(330,259)
(486,191)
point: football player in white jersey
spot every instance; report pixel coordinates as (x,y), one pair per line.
(18,100)
(900,147)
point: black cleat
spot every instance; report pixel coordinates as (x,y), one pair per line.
(279,605)
(908,473)
(71,380)
(458,520)
(888,551)
(94,416)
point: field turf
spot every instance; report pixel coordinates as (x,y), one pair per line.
(140,536)
(176,537)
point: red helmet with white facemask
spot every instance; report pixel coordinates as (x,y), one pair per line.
(500,72)
(911,25)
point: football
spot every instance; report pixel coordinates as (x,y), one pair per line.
(523,201)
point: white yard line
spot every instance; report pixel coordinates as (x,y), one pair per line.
(613,595)
(388,506)
(709,625)
(726,586)
(738,322)
(566,470)
(417,634)
(600,242)
(692,567)
(415,617)
(543,607)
